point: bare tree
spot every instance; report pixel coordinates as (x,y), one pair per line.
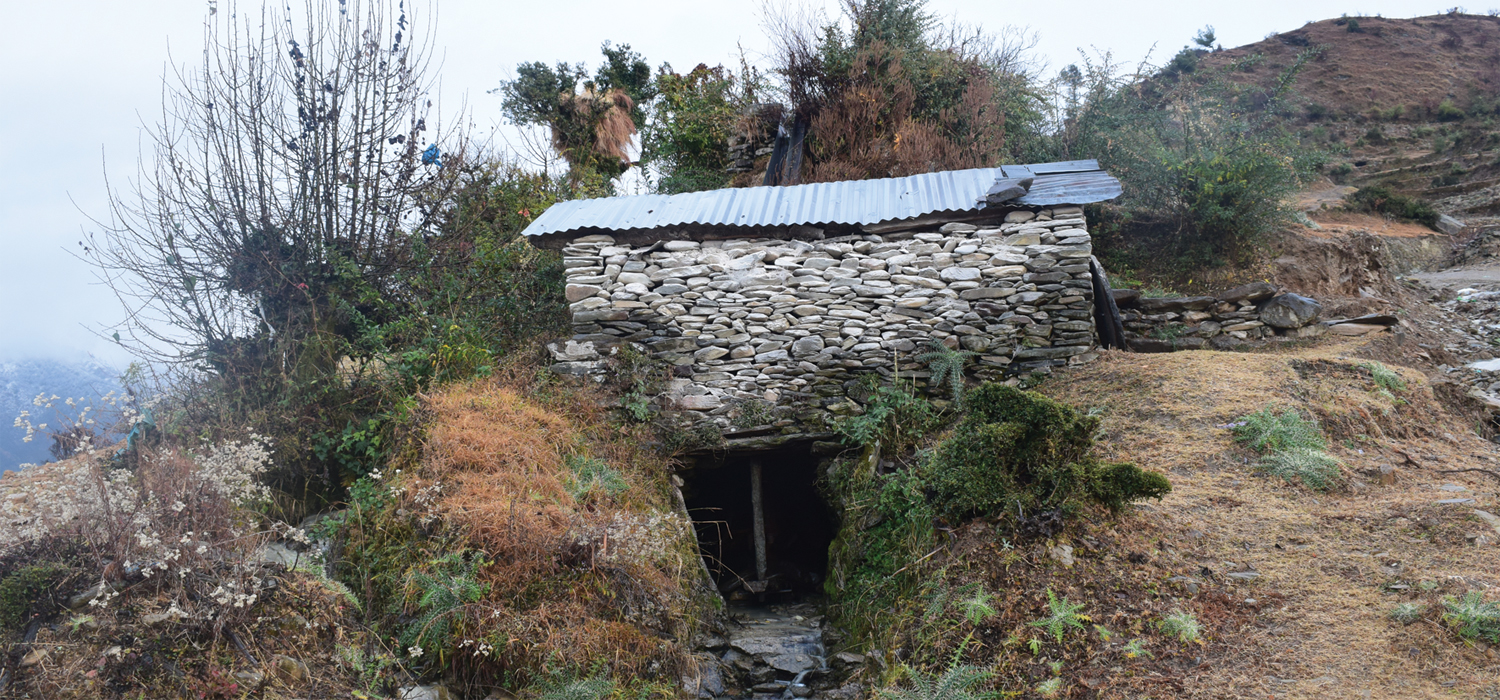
(291,174)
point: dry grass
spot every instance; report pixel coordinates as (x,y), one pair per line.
(1327,563)
(604,579)
(125,653)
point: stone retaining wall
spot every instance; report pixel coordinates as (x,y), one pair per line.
(1225,320)
(795,323)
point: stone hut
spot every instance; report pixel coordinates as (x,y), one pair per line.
(781,300)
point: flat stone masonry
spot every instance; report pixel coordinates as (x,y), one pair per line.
(798,322)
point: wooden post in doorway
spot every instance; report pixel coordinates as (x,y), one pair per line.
(756,505)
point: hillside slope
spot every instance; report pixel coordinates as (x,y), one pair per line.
(1319,572)
(1409,104)
(1377,63)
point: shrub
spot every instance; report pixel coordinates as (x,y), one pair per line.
(1181,625)
(894,417)
(1292,447)
(1020,450)
(1267,431)
(593,477)
(947,364)
(1207,163)
(1472,618)
(26,591)
(564,688)
(1377,199)
(437,594)
(1449,112)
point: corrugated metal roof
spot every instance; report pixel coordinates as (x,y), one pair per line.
(861,202)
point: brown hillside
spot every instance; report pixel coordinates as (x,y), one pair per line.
(1414,63)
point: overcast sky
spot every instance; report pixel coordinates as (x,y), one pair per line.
(80,79)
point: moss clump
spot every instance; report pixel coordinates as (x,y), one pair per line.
(24,592)
(1016,449)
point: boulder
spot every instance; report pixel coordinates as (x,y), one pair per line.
(1290,311)
(1449,225)
(1255,291)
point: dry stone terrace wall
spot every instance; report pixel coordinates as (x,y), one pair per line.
(795,323)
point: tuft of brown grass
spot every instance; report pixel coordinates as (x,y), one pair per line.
(598,580)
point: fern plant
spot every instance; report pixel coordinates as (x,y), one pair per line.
(947,364)
(442,590)
(957,682)
(1472,618)
(1062,616)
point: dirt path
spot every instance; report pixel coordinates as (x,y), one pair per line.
(1321,570)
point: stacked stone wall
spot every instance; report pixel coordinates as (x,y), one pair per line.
(796,323)
(1242,316)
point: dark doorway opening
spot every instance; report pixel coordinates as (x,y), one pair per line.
(797,523)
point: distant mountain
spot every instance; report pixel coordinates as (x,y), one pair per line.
(1370,66)
(1408,104)
(22,380)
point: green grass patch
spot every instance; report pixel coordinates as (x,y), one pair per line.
(1292,447)
(1182,626)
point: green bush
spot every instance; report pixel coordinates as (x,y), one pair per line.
(1406,613)
(1016,449)
(957,682)
(1385,377)
(437,595)
(1207,163)
(1062,616)
(1378,199)
(1449,112)
(25,592)
(894,417)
